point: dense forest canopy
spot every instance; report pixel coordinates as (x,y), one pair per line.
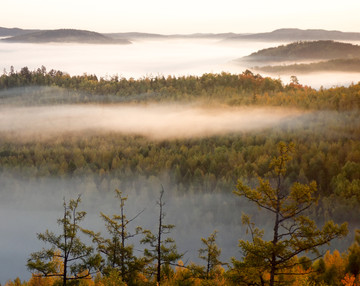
(225,88)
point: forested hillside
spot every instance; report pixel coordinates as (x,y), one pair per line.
(306,50)
(326,139)
(337,65)
(64,36)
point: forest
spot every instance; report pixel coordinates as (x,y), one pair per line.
(306,50)
(323,174)
(342,65)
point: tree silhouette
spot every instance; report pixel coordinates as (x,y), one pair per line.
(162,251)
(294,233)
(118,252)
(78,260)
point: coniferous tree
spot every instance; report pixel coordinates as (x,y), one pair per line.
(293,233)
(162,251)
(78,260)
(119,254)
(210,253)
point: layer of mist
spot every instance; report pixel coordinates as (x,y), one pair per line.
(149,58)
(153,121)
(142,58)
(30,206)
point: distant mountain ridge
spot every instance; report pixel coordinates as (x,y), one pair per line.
(10,32)
(280,35)
(300,51)
(137,35)
(298,35)
(65,36)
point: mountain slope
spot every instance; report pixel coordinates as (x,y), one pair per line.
(10,32)
(298,35)
(338,65)
(301,51)
(65,36)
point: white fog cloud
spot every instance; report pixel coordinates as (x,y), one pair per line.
(154,121)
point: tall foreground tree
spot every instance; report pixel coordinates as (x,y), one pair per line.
(78,260)
(162,250)
(293,233)
(118,252)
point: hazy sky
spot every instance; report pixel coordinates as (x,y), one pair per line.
(186,16)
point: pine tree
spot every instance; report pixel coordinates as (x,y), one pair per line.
(293,233)
(210,253)
(119,254)
(78,259)
(162,251)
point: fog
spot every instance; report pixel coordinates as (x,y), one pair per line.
(151,58)
(142,58)
(31,206)
(153,121)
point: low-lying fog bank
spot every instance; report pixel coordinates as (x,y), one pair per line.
(153,121)
(30,206)
(151,58)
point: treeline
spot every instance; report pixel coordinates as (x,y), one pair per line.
(230,89)
(343,65)
(334,268)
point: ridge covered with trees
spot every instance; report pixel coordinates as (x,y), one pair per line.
(336,65)
(306,50)
(64,36)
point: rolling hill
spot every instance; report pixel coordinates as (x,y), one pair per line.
(286,35)
(304,51)
(65,36)
(338,65)
(289,35)
(10,32)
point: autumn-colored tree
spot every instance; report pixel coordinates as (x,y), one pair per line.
(16,282)
(293,233)
(210,253)
(78,260)
(353,259)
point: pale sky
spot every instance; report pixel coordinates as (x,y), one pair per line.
(185,16)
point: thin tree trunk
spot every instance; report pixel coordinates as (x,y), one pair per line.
(159,240)
(65,250)
(122,253)
(276,233)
